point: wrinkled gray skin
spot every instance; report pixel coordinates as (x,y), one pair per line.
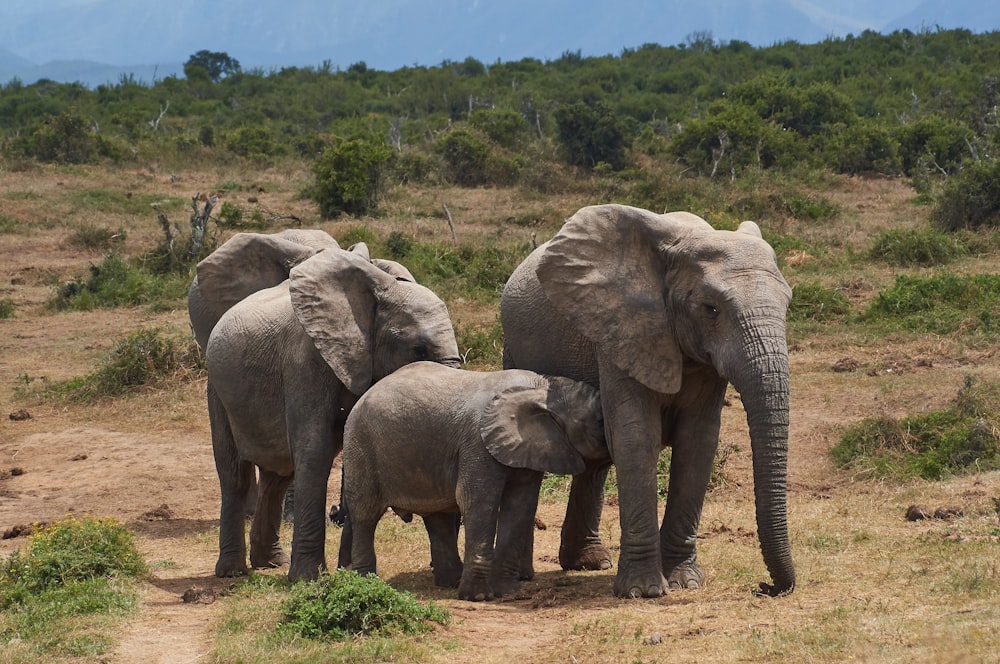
(435,441)
(285,365)
(660,312)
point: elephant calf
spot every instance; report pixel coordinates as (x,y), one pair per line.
(436,441)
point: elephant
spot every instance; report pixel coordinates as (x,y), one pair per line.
(286,363)
(661,312)
(437,441)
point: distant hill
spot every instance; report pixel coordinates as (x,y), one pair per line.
(974,15)
(65,40)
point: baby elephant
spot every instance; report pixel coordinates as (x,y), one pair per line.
(436,441)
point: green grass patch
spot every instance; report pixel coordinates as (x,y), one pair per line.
(145,357)
(7,225)
(481,347)
(918,247)
(941,304)
(6,308)
(962,438)
(114,201)
(344,605)
(66,593)
(812,301)
(93,238)
(118,282)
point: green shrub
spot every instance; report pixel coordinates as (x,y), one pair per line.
(349,177)
(344,605)
(255,143)
(6,308)
(63,139)
(69,551)
(116,282)
(503,127)
(942,304)
(144,357)
(591,134)
(970,199)
(815,302)
(903,247)
(959,439)
(467,158)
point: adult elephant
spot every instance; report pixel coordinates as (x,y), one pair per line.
(660,312)
(286,364)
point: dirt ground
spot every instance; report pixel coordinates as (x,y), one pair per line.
(147,461)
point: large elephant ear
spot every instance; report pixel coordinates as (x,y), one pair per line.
(247,263)
(605,272)
(334,298)
(520,431)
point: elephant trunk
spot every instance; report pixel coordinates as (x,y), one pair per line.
(763,386)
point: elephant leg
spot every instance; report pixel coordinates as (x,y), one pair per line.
(515,536)
(580,547)
(265,549)
(236,478)
(633,424)
(480,505)
(442,531)
(313,453)
(344,555)
(694,438)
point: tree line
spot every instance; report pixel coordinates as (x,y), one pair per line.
(922,105)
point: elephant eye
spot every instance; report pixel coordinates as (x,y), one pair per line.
(420,352)
(711,310)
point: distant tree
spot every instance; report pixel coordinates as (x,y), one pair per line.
(216,65)
(350,176)
(591,135)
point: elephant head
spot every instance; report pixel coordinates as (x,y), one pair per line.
(553,427)
(245,264)
(369,320)
(660,293)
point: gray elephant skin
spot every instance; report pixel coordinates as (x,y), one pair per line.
(295,329)
(660,312)
(436,441)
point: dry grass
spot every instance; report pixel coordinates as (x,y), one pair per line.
(872,586)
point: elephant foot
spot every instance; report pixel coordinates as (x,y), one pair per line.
(685,575)
(447,577)
(305,571)
(504,586)
(634,581)
(226,568)
(589,556)
(276,558)
(476,592)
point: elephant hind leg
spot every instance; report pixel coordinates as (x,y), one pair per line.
(581,547)
(265,550)
(442,530)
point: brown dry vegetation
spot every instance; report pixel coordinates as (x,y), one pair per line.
(872,585)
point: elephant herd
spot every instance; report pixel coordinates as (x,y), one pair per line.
(621,335)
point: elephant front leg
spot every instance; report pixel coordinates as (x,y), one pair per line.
(265,548)
(512,559)
(695,440)
(580,547)
(633,427)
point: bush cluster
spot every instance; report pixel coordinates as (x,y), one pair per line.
(344,604)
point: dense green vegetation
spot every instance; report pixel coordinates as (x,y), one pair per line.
(922,105)
(73,567)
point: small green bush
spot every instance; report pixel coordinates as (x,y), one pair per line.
(141,358)
(344,604)
(942,304)
(69,551)
(6,308)
(970,199)
(813,301)
(959,439)
(907,247)
(350,176)
(96,238)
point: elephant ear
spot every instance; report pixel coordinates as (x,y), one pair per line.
(361,249)
(395,269)
(520,431)
(605,272)
(334,297)
(750,228)
(247,263)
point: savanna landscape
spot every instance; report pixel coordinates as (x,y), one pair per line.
(894,487)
